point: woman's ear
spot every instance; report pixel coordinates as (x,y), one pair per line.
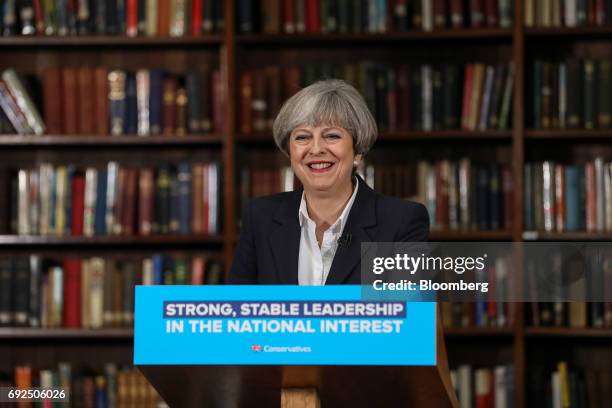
(357,159)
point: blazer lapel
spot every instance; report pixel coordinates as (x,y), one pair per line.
(285,240)
(361,217)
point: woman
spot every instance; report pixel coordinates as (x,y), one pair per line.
(313,236)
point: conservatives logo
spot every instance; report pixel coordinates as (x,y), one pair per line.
(257,348)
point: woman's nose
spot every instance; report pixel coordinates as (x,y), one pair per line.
(317,145)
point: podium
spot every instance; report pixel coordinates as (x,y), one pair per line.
(188,383)
(305,386)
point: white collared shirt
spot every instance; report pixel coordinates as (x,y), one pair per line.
(314,261)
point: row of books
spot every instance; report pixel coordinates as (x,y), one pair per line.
(572,94)
(561,197)
(567,13)
(65,200)
(457,194)
(369,16)
(89,293)
(114,386)
(175,18)
(563,385)
(572,314)
(484,387)
(427,97)
(88,100)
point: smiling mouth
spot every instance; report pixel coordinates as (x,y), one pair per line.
(319,167)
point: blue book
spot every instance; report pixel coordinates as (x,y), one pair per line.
(184,197)
(574,198)
(100,211)
(131,115)
(156,79)
(158,269)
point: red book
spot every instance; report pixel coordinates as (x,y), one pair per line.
(291,81)
(402,75)
(592,12)
(196,17)
(560,197)
(491,13)
(442,203)
(439,14)
(288,16)
(217,101)
(600,12)
(100,100)
(72,293)
(52,95)
(70,115)
(246,102)
(467,96)
(198,270)
(78,204)
(145,201)
(39,18)
(590,185)
(131,23)
(130,202)
(313,16)
(476,13)
(163,18)
(86,102)
(456,13)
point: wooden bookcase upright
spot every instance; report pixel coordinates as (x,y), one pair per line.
(524,347)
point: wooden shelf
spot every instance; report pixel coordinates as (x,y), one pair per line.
(568,332)
(35,333)
(411,36)
(452,235)
(592,31)
(479,332)
(566,236)
(51,141)
(153,240)
(108,40)
(570,134)
(408,136)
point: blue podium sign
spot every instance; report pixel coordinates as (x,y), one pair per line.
(280,325)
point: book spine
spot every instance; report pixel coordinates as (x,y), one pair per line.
(24,101)
(117,101)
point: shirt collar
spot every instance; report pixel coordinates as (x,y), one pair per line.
(338,226)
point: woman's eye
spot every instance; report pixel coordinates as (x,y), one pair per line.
(333,136)
(301,137)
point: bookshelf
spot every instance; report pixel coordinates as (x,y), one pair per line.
(523,346)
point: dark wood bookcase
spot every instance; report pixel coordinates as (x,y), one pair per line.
(520,345)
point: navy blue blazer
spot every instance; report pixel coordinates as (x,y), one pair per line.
(268,248)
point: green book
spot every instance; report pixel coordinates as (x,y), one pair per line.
(604,117)
(590,94)
(451,89)
(573,93)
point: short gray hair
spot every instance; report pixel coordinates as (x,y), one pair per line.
(331,102)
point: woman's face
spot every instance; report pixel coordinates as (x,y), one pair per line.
(322,157)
